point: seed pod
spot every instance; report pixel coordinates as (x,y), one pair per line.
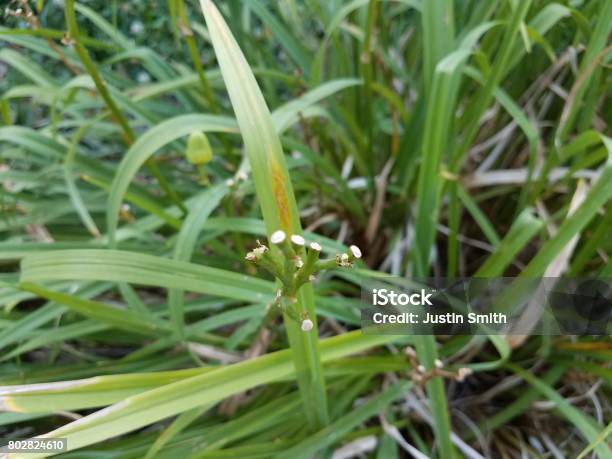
(198,150)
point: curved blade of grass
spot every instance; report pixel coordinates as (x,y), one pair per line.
(120,318)
(7,34)
(275,195)
(483,221)
(136,268)
(43,315)
(146,145)
(104,26)
(151,406)
(524,228)
(289,113)
(87,393)
(186,242)
(29,69)
(601,438)
(47,337)
(106,389)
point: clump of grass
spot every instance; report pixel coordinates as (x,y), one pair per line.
(137,164)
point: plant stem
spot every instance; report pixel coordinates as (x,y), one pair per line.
(116,115)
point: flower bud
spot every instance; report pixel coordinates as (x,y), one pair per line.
(307,325)
(198,150)
(298,240)
(278,237)
(355,251)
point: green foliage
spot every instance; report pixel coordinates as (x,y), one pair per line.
(147,148)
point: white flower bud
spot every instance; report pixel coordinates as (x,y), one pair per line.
(278,237)
(316,246)
(307,325)
(421,369)
(298,240)
(356,251)
(438,363)
(298,262)
(230,182)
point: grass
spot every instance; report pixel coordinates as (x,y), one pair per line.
(444,138)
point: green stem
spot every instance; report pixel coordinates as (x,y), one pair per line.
(366,71)
(195,58)
(91,69)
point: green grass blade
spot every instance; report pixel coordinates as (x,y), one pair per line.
(599,194)
(136,268)
(438,36)
(186,243)
(483,221)
(601,438)
(146,145)
(180,423)
(330,434)
(148,407)
(577,418)
(600,39)
(526,226)
(498,68)
(123,319)
(294,48)
(289,113)
(275,195)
